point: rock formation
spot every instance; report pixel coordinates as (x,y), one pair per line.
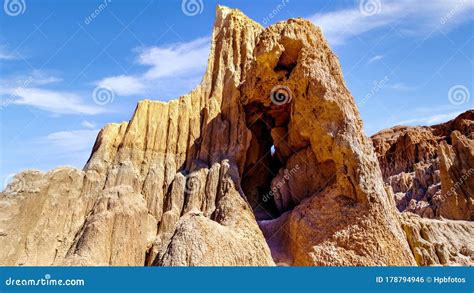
(431,173)
(430,169)
(264,163)
(439,242)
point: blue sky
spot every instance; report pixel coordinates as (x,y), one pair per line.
(69,67)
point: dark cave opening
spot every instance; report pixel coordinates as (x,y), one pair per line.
(269,126)
(269,151)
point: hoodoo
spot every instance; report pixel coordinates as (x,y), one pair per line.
(264,163)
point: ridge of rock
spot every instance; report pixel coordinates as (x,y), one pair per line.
(431,168)
(194,182)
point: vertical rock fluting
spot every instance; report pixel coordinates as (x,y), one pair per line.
(430,169)
(333,208)
(183,182)
(162,189)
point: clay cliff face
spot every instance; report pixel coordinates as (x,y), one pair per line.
(430,169)
(431,173)
(264,163)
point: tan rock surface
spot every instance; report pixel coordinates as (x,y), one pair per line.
(337,211)
(440,185)
(194,182)
(439,242)
(135,201)
(430,168)
(456,200)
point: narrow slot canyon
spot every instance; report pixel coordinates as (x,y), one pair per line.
(266,156)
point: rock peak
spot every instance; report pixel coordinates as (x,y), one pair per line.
(264,162)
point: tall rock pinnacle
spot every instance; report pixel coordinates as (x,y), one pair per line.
(264,163)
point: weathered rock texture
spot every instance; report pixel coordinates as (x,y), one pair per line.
(431,169)
(436,242)
(194,181)
(162,189)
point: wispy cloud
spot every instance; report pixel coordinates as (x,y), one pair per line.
(431,119)
(32,78)
(375,58)
(29,90)
(407,16)
(123,85)
(56,102)
(5,55)
(88,124)
(75,141)
(400,86)
(184,58)
(171,69)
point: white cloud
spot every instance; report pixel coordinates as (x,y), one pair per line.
(431,119)
(88,124)
(6,55)
(29,79)
(400,86)
(43,80)
(184,58)
(56,102)
(375,58)
(123,85)
(75,141)
(172,70)
(424,16)
(28,90)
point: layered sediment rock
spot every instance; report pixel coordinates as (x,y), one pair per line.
(431,173)
(430,169)
(264,162)
(439,242)
(162,189)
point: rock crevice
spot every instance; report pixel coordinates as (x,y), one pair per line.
(264,162)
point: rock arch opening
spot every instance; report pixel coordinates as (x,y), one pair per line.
(266,155)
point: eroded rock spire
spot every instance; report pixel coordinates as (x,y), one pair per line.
(265,161)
